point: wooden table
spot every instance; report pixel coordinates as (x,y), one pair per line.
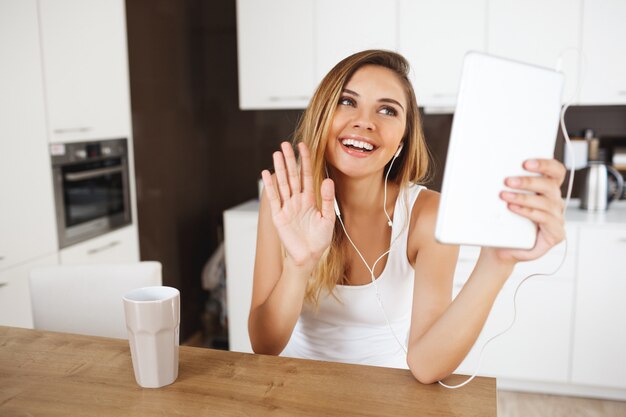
(58,374)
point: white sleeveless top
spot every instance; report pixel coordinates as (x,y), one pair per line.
(354,329)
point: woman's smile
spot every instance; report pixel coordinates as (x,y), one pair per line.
(358,146)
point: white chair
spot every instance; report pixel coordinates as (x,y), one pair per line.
(87,299)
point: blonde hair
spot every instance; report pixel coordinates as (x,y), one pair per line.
(313,129)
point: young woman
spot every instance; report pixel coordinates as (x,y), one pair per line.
(320,278)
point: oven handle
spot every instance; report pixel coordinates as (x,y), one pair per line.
(103,248)
(78,176)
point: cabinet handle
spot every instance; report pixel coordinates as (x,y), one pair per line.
(622,240)
(1,258)
(3,284)
(289,98)
(103,248)
(621,93)
(72,130)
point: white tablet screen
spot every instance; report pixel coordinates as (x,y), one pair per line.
(507,112)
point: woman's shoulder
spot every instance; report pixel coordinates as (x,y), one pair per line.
(426,200)
(424,215)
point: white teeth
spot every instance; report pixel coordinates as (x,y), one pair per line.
(357,144)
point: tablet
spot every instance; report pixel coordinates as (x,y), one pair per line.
(506,112)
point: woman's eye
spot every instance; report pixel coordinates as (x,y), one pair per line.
(346,101)
(389,111)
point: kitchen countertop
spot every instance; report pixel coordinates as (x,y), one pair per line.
(616,214)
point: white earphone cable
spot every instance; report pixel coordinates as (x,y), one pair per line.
(482,350)
(372,276)
(371,270)
(567,199)
(389,222)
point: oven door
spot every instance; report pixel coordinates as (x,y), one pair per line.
(93,198)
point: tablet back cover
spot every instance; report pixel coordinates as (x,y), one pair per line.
(507,112)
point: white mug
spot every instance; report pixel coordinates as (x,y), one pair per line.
(153,322)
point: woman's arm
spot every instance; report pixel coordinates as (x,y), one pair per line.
(289,219)
(442,332)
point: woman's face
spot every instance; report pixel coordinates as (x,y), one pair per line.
(369,122)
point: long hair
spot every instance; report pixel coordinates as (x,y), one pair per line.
(313,129)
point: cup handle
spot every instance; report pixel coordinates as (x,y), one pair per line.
(620,183)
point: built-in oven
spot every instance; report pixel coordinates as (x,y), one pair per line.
(91,188)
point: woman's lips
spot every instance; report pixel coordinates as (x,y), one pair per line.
(357,146)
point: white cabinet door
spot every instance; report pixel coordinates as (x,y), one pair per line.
(537,347)
(117,246)
(603,63)
(27,219)
(600,322)
(240,230)
(15,305)
(539,32)
(86,69)
(275,52)
(343,27)
(434,37)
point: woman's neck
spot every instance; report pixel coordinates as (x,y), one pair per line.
(364,195)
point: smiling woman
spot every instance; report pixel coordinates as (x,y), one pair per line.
(373,287)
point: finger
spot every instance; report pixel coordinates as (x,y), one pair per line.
(270,190)
(292,167)
(305,163)
(328,199)
(541,185)
(548,167)
(534,201)
(281,176)
(552,225)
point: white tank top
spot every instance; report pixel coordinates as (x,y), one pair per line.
(354,329)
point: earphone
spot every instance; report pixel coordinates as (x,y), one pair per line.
(389,222)
(371,270)
(397,154)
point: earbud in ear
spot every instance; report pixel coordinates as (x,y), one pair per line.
(399,150)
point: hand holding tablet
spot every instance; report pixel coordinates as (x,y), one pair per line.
(507,113)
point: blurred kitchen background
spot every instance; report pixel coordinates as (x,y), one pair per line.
(197,153)
(202,92)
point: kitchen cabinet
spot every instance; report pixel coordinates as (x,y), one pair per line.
(27,222)
(603,61)
(117,246)
(275,51)
(600,326)
(343,27)
(240,231)
(15,305)
(85,69)
(434,36)
(538,32)
(536,347)
(285,49)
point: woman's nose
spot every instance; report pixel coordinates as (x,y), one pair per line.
(363,120)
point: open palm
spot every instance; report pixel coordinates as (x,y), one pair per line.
(304,230)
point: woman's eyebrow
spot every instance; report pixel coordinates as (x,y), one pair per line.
(382,100)
(392,101)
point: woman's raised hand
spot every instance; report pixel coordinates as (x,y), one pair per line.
(544,206)
(304,231)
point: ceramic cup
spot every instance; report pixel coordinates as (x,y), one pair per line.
(152,320)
